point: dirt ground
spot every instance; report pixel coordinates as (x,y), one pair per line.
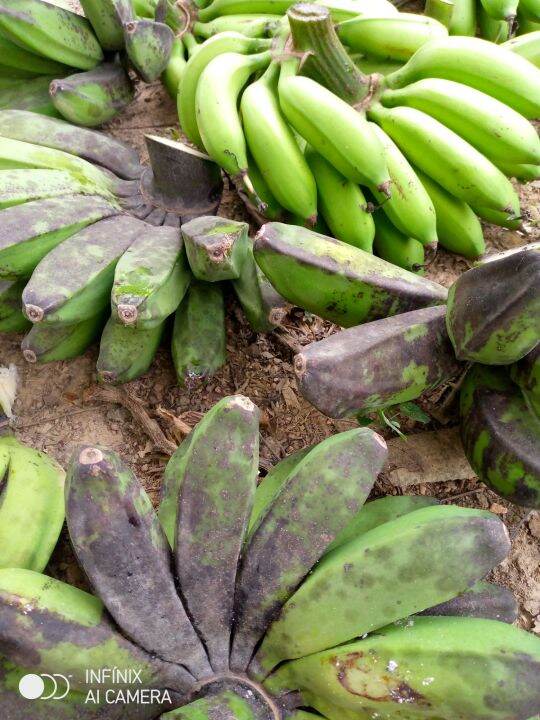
(58,405)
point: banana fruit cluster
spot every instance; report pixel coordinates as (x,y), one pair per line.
(377,127)
(219,600)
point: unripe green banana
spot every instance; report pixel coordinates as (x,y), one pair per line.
(51,31)
(274,147)
(32,97)
(125,352)
(48,343)
(501,9)
(93,97)
(253,26)
(342,204)
(217,110)
(105,20)
(446,157)
(479,64)
(370,65)
(525,173)
(148,46)
(530,9)
(172,76)
(340,9)
(511,219)
(261,200)
(223,43)
(463,20)
(11,317)
(20,186)
(393,246)
(16,62)
(32,487)
(528,46)
(324,120)
(393,38)
(493,29)
(409,208)
(458,228)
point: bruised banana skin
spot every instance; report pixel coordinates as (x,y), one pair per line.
(11,317)
(500,435)
(126,353)
(526,374)
(494,309)
(479,64)
(482,600)
(32,97)
(148,46)
(472,672)
(393,246)
(49,343)
(32,486)
(51,31)
(216,247)
(337,281)
(348,373)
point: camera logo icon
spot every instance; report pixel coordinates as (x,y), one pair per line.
(34,687)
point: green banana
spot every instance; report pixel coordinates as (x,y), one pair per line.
(106,22)
(511,220)
(526,374)
(73,282)
(463,21)
(272,144)
(216,248)
(446,157)
(198,341)
(33,96)
(482,600)
(500,435)
(29,231)
(337,281)
(501,9)
(51,31)
(393,246)
(523,172)
(260,201)
(253,26)
(458,228)
(490,28)
(323,119)
(346,374)
(32,486)
(479,64)
(20,186)
(93,97)
(494,309)
(340,9)
(150,279)
(530,9)
(16,62)
(342,204)
(370,65)
(333,481)
(528,46)
(126,353)
(396,37)
(472,541)
(220,44)
(489,125)
(11,316)
(148,46)
(216,103)
(172,76)
(49,343)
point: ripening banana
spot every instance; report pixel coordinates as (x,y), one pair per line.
(217,110)
(410,208)
(528,46)
(335,130)
(463,20)
(493,128)
(446,157)
(223,43)
(479,64)
(274,147)
(501,9)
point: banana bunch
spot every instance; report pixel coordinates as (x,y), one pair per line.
(414,339)
(219,600)
(367,124)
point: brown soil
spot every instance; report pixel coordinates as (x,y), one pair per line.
(57,407)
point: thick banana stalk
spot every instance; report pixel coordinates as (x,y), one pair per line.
(49,343)
(125,352)
(148,46)
(393,246)
(16,62)
(216,247)
(32,486)
(11,316)
(52,32)
(528,46)
(93,97)
(479,64)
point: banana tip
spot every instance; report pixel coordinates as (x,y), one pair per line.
(90,456)
(29,355)
(300,365)
(34,313)
(128,314)
(106,376)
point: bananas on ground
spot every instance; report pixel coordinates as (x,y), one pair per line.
(244,612)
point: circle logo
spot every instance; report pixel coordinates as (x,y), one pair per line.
(31,686)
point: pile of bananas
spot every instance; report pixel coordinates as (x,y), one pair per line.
(412,342)
(219,602)
(310,131)
(70,64)
(495,20)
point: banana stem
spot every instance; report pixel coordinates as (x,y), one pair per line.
(441,10)
(323,57)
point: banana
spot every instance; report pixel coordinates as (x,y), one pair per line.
(501,9)
(29,232)
(525,25)
(51,31)
(335,130)
(150,279)
(172,76)
(216,247)
(260,201)
(393,246)
(148,46)
(340,9)
(528,46)
(16,62)
(342,204)
(530,9)
(90,145)
(49,343)
(225,42)
(253,26)
(526,374)
(479,64)
(369,65)
(105,21)
(11,317)
(73,282)
(217,113)
(390,38)
(333,480)
(409,208)
(446,157)
(458,228)
(33,97)
(482,600)
(492,29)
(125,352)
(274,147)
(32,486)
(512,220)
(20,186)
(492,127)
(463,20)
(93,97)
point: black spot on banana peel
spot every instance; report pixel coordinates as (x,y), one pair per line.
(500,435)
(336,281)
(482,600)
(377,365)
